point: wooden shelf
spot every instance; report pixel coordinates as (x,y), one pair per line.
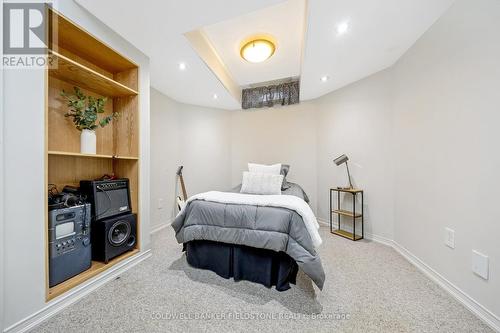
(132,158)
(346,213)
(64,153)
(79,75)
(347,190)
(95,269)
(346,234)
(78,41)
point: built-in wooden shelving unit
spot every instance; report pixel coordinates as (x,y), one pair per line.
(79,59)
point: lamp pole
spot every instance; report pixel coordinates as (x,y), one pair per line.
(349,175)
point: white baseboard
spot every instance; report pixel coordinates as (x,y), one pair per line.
(323,221)
(161,226)
(475,307)
(61,302)
(334,224)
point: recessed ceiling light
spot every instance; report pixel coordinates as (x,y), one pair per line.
(182,66)
(257,50)
(342,28)
(215,96)
(325,78)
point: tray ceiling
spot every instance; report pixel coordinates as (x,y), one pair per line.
(285,22)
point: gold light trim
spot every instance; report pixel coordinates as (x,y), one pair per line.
(257,50)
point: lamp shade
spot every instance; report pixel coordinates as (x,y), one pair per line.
(341,159)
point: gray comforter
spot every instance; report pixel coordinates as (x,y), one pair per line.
(272,228)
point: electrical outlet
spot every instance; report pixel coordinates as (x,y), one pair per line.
(160,203)
(480,264)
(449,238)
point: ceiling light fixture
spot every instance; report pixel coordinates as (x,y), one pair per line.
(342,28)
(257,50)
(215,96)
(182,66)
(325,78)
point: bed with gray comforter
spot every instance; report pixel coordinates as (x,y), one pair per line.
(271,228)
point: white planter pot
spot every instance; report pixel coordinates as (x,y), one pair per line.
(88,142)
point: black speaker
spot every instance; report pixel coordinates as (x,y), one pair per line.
(114,236)
(107,197)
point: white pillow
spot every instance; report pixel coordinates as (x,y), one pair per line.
(274,169)
(261,183)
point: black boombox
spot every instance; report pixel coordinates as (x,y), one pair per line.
(108,197)
(69,242)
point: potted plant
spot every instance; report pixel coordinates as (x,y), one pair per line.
(84,112)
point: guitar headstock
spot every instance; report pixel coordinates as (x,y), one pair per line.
(179,170)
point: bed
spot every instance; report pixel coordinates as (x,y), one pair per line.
(260,238)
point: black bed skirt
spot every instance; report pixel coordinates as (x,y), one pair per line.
(240,262)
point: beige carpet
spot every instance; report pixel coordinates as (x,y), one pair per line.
(369,288)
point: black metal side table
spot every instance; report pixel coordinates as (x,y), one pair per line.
(347,213)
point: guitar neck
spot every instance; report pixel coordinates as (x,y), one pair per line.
(183,187)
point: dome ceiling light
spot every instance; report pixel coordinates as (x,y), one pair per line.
(257,50)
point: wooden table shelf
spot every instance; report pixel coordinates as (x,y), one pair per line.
(346,234)
(352,214)
(79,75)
(346,213)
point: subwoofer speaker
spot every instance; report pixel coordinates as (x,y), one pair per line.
(114,236)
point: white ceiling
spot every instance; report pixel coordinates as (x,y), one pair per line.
(227,36)
(379,33)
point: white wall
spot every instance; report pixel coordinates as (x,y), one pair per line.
(205,148)
(24,226)
(277,135)
(24,165)
(2,185)
(447,117)
(165,157)
(196,137)
(357,121)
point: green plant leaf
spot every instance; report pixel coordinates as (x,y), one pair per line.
(83,110)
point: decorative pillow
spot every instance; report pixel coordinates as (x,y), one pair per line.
(284,171)
(274,169)
(261,183)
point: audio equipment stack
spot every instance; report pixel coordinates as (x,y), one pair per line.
(114,227)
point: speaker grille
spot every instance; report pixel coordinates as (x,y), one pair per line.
(119,233)
(111,203)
